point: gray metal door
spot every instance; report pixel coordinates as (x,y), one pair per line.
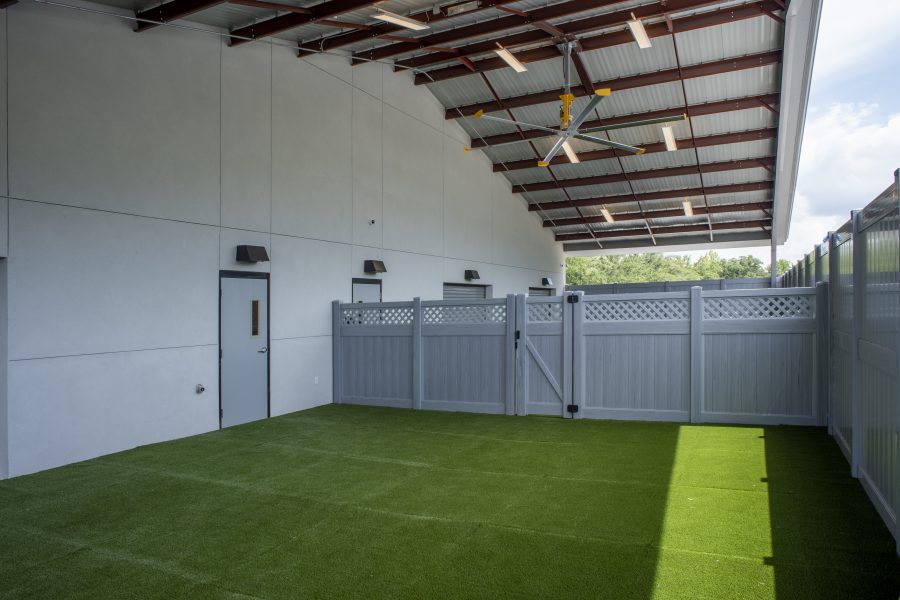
(366,291)
(244,346)
(465,291)
(544,355)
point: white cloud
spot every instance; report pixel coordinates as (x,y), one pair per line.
(849,155)
(853,36)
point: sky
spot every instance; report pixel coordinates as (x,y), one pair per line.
(851,143)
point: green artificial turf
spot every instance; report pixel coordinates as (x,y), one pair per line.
(357,502)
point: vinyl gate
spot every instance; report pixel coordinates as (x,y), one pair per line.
(544,349)
(734,356)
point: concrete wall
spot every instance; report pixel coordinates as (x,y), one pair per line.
(136,164)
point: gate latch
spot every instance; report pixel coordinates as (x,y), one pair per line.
(573,299)
(518,335)
(572,409)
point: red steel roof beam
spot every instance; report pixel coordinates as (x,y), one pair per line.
(701,142)
(717,167)
(171,11)
(706,108)
(648,196)
(635,232)
(546,13)
(382,29)
(661,214)
(582,26)
(288,21)
(729,65)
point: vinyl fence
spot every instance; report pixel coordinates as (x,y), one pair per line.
(734,356)
(861,265)
(749,283)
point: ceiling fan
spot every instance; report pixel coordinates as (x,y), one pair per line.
(570,128)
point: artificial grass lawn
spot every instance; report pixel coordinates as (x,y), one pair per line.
(358,502)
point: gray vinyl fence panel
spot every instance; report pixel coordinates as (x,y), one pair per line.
(861,265)
(877,422)
(760,357)
(636,353)
(842,355)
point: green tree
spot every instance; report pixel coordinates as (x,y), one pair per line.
(634,268)
(782,266)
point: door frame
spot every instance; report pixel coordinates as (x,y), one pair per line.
(249,275)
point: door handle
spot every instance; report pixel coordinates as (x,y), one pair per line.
(263,350)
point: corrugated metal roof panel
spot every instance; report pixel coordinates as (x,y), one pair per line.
(460,91)
(616,188)
(659,160)
(554,195)
(628,59)
(737,84)
(743,150)
(665,183)
(733,177)
(739,38)
(740,120)
(540,76)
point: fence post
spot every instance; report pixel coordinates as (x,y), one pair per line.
(336,353)
(567,355)
(823,350)
(897,480)
(833,269)
(697,376)
(521,355)
(818,275)
(509,386)
(859,264)
(417,375)
(578,365)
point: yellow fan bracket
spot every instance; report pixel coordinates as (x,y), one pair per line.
(542,163)
(479,114)
(603,92)
(567,100)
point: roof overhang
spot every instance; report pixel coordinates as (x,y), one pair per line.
(801,33)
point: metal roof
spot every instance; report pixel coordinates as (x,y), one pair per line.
(738,68)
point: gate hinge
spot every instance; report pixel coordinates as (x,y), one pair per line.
(573,299)
(518,335)
(572,408)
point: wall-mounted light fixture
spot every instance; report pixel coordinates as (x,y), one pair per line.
(546,281)
(374,266)
(252,254)
(472,274)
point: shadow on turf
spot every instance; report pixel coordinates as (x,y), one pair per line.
(828,541)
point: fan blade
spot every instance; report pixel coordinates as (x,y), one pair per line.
(672,119)
(514,122)
(610,143)
(587,110)
(553,151)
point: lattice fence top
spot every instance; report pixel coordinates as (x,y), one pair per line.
(760,307)
(394,315)
(545,312)
(464,314)
(637,310)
